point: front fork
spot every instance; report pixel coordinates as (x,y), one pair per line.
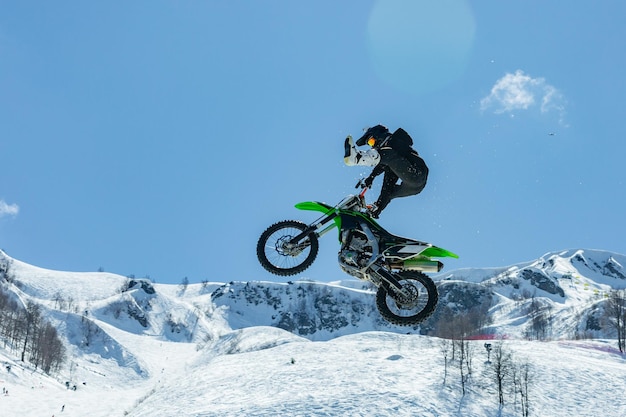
(348,203)
(317,227)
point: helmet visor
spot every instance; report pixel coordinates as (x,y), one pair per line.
(371,141)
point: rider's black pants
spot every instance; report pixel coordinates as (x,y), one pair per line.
(410,169)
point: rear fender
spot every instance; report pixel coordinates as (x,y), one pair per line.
(417,250)
(419,260)
(435,252)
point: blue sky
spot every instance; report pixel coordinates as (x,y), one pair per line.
(160,138)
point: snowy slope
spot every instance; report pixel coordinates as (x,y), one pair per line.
(385,374)
(137,348)
(573,285)
(268,372)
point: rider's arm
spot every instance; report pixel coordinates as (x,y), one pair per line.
(378,169)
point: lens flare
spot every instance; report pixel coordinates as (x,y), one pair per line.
(419,46)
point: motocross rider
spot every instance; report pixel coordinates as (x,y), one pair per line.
(391,153)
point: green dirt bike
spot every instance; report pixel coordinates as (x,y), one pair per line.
(395,265)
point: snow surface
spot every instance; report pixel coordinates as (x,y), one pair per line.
(269,372)
(218,370)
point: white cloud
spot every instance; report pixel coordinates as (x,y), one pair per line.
(8,209)
(519,91)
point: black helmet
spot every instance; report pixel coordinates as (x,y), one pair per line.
(378,133)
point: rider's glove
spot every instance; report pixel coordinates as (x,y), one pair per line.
(365,183)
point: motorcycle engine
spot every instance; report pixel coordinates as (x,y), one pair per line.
(355,249)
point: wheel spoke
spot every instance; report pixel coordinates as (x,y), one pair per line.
(279,255)
(413,304)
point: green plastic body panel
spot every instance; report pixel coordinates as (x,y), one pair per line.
(314,206)
(431,252)
(435,252)
(322,207)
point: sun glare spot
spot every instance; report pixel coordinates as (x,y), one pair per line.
(420,46)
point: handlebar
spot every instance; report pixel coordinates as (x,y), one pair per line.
(364,187)
(361,183)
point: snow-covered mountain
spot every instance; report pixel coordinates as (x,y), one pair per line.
(310,348)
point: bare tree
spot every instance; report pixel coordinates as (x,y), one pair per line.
(25,331)
(458,327)
(183,285)
(11,325)
(5,268)
(502,364)
(615,313)
(540,319)
(47,351)
(90,330)
(445,347)
(69,303)
(59,301)
(522,378)
(7,309)
(462,347)
(29,322)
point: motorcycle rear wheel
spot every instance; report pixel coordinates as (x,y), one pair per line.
(280,257)
(415,308)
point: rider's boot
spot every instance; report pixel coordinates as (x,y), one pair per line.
(372,210)
(380,204)
(352,156)
(349,149)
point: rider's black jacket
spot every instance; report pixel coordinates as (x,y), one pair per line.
(398,160)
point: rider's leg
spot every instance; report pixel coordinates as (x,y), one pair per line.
(413,186)
(386,190)
(413,176)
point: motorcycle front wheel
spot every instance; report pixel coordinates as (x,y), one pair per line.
(413,304)
(279,255)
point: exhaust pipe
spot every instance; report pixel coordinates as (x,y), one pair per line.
(422,265)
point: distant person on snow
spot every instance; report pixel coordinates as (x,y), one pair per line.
(391,153)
